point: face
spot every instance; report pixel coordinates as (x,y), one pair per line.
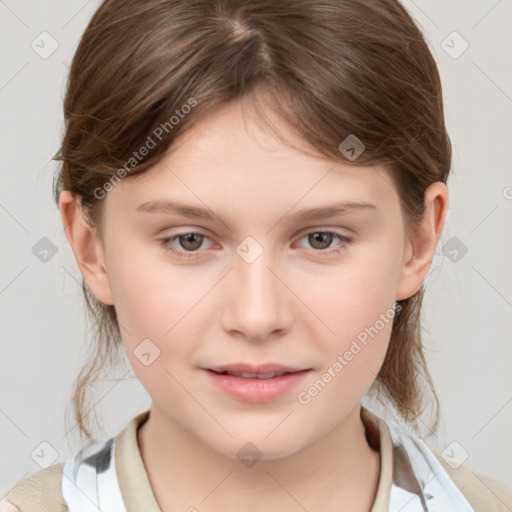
(256,283)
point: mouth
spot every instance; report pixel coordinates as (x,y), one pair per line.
(256,383)
(248,375)
(262,371)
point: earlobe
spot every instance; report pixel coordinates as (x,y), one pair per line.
(420,250)
(86,246)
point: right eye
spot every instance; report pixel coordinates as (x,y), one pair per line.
(190,242)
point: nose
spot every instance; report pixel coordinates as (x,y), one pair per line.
(257,300)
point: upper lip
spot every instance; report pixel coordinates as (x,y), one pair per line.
(262,368)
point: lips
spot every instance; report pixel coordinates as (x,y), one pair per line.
(250,383)
(262,371)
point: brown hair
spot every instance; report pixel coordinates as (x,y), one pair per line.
(332,68)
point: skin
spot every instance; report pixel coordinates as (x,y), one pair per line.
(292,305)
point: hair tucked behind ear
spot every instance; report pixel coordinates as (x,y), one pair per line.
(329,68)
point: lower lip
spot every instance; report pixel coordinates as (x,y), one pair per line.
(256,390)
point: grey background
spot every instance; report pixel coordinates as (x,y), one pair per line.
(468,306)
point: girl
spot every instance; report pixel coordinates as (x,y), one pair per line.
(301,144)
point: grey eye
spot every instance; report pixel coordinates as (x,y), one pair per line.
(320,239)
(190,241)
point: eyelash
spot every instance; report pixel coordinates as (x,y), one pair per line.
(165,243)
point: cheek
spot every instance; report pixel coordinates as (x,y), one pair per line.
(353,297)
(151,306)
(148,294)
(147,304)
(156,307)
(357,311)
(352,357)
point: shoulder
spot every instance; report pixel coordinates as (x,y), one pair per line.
(39,492)
(484,493)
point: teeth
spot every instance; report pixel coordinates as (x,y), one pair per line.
(256,375)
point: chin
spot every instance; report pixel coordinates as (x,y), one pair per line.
(250,448)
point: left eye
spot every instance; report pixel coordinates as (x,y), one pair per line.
(324,237)
(192,241)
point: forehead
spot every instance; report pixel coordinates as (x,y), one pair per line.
(230,156)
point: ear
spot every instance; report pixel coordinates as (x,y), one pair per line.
(86,246)
(419,251)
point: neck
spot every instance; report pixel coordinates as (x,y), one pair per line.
(339,468)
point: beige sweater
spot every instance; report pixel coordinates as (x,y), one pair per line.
(41,491)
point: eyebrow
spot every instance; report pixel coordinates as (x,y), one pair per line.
(309,214)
